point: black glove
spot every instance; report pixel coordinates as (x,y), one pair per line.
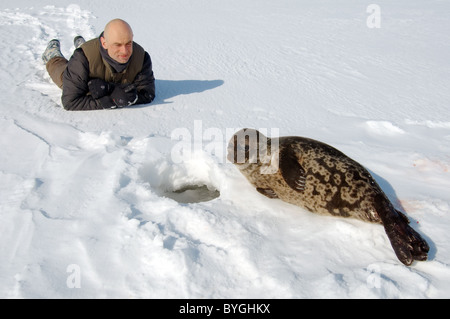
(99,88)
(124,95)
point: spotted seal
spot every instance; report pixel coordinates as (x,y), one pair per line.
(323,180)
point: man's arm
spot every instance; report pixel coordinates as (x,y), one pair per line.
(75,95)
(145,82)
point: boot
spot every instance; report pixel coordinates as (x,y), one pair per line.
(78,41)
(53,50)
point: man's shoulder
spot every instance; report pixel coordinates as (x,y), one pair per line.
(93,44)
(145,54)
(78,55)
(139,53)
(78,62)
(138,48)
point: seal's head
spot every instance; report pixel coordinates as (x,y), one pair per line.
(245,146)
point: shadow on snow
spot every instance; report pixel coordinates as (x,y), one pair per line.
(167,89)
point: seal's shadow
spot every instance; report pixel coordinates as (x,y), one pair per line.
(392,195)
(167,89)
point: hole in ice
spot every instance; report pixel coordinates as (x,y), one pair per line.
(192,194)
(187,183)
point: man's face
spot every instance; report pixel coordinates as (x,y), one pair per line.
(119,44)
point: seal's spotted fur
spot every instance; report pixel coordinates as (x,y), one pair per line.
(321,179)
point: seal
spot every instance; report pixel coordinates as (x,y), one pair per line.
(319,178)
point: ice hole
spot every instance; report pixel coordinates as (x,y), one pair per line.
(187,183)
(192,194)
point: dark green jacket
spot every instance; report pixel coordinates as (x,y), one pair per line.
(87,63)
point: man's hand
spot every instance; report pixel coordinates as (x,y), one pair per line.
(124,95)
(99,88)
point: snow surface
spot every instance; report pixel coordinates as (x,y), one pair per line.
(92,204)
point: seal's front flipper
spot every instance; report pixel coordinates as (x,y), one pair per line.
(267,192)
(293,173)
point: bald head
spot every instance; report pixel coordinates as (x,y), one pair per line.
(117,39)
(117,27)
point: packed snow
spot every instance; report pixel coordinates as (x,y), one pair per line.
(140,202)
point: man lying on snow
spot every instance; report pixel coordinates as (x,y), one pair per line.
(106,72)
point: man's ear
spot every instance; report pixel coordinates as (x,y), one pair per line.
(103,41)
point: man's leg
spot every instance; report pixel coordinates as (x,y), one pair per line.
(55,68)
(55,61)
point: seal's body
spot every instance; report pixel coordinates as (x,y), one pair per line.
(323,180)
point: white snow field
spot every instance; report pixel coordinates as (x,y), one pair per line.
(99,204)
